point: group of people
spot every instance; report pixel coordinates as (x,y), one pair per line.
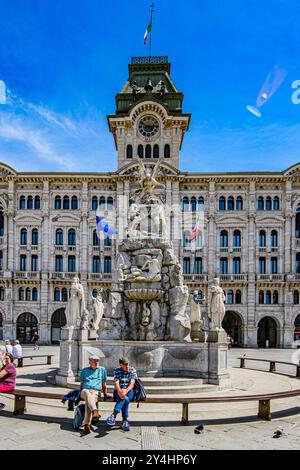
(13,348)
(93,381)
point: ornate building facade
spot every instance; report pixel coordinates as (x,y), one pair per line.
(249,231)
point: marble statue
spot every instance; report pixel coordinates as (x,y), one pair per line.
(97,312)
(195,317)
(147,180)
(217,304)
(140,275)
(76,313)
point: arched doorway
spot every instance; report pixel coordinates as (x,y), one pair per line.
(297,330)
(1,326)
(233,325)
(267,331)
(58,320)
(27,324)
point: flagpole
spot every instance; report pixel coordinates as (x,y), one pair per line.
(150,42)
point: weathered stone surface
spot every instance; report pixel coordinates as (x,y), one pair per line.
(169,258)
(176,276)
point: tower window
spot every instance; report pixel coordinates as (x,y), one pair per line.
(129,151)
(167,151)
(141,151)
(148,151)
(156,151)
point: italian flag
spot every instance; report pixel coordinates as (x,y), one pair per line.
(195,232)
(149,27)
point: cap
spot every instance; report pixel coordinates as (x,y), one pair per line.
(124,360)
(93,357)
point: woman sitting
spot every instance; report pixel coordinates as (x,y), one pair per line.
(8,374)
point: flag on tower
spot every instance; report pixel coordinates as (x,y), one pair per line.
(149,27)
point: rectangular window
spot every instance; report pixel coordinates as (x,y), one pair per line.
(262,265)
(236,265)
(96,264)
(23,262)
(274,266)
(34,263)
(198,266)
(107,264)
(186,266)
(71,264)
(59,267)
(223,266)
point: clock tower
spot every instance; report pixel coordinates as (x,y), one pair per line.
(149,122)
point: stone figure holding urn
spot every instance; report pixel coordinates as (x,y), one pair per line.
(217,304)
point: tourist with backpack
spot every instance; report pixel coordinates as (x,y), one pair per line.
(124,380)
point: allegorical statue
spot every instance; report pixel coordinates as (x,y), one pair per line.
(97,312)
(76,313)
(217,304)
(147,180)
(152,274)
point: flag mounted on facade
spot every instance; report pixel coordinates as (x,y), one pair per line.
(196,230)
(103,226)
(149,27)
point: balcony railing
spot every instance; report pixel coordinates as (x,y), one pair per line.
(270,277)
(27,275)
(195,277)
(62,275)
(100,276)
(233,277)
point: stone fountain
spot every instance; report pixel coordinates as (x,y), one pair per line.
(150,316)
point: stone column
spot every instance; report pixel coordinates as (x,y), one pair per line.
(45,241)
(212,268)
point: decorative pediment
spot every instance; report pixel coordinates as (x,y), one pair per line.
(6,170)
(231,220)
(293,170)
(132,169)
(28,219)
(269,219)
(67,219)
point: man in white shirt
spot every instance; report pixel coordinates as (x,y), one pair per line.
(17,350)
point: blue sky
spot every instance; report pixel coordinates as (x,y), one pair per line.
(63,62)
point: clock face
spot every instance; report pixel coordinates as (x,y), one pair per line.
(148,126)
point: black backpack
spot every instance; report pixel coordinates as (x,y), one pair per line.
(139,392)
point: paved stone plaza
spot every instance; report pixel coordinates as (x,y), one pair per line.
(48,425)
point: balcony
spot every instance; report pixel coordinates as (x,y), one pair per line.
(71,248)
(233,277)
(270,277)
(62,275)
(195,277)
(27,275)
(100,276)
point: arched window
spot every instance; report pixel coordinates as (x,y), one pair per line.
(22,202)
(30,202)
(274,238)
(268,203)
(66,203)
(102,203)
(276,203)
(107,241)
(129,151)
(110,203)
(296,297)
(186,240)
(275,297)
(237,238)
(185,204)
(186,266)
(57,203)
(239,203)
(193,204)
(107,264)
(224,238)
(96,264)
(268,297)
(34,294)
(59,237)
(141,151)
(230,298)
(167,151)
(21,294)
(94,203)
(238,297)
(222,203)
(1,222)
(230,203)
(262,238)
(56,294)
(28,294)
(200,203)
(156,151)
(64,295)
(260,203)
(198,266)
(71,237)
(71,264)
(148,151)
(2,294)
(298,263)
(261,297)
(95,238)
(37,202)
(35,237)
(74,202)
(23,236)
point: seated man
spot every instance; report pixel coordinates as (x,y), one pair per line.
(93,380)
(124,381)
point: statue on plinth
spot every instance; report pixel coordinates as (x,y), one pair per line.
(97,312)
(76,312)
(217,304)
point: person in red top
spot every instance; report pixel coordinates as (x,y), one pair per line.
(8,374)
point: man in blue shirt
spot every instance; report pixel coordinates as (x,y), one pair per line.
(93,380)
(124,381)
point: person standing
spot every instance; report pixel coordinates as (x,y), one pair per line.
(7,346)
(93,380)
(124,380)
(17,350)
(35,339)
